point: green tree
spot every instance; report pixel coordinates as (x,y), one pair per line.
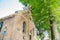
(39,13)
(54,5)
(45,14)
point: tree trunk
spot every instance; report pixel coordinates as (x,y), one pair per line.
(54,30)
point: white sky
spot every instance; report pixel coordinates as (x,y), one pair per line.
(8,7)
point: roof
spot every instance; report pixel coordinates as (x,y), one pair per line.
(12,15)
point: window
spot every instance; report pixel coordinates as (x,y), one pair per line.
(1,24)
(24,27)
(30,37)
(30,19)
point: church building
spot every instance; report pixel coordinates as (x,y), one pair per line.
(18,26)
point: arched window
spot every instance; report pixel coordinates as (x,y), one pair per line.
(30,37)
(1,24)
(24,27)
(30,19)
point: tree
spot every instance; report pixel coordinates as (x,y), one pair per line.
(44,14)
(53,7)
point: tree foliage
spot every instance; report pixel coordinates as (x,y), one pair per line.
(40,12)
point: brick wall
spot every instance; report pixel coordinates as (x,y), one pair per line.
(13,27)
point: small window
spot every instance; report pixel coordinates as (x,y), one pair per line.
(30,19)
(30,37)
(5,30)
(1,24)
(24,27)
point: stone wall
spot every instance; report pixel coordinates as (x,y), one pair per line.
(13,27)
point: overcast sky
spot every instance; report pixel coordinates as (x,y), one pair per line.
(8,7)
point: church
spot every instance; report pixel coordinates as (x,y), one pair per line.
(18,26)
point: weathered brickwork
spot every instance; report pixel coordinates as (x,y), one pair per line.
(18,26)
